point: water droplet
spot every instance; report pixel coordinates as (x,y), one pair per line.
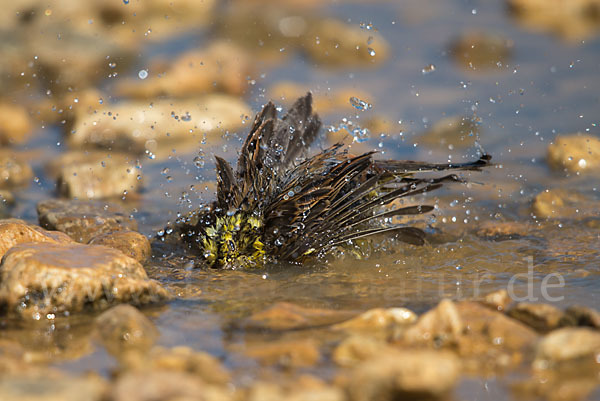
(164,171)
(359,104)
(371,52)
(125,2)
(428,69)
(143,74)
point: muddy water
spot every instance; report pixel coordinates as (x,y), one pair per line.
(547,86)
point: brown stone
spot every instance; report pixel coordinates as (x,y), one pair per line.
(165,385)
(14,171)
(124,328)
(44,278)
(404,374)
(541,317)
(287,316)
(83,220)
(575,153)
(559,204)
(378,319)
(179,359)
(14,232)
(503,229)
(443,324)
(357,348)
(131,243)
(454,132)
(15,124)
(96,174)
(584,316)
(481,51)
(498,300)
(51,386)
(567,345)
(290,354)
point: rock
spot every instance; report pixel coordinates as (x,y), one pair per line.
(141,126)
(165,386)
(567,345)
(355,349)
(378,319)
(451,133)
(287,316)
(503,230)
(498,300)
(7,200)
(179,359)
(15,124)
(584,316)
(14,171)
(575,153)
(124,328)
(83,220)
(51,387)
(14,232)
(41,278)
(339,43)
(573,20)
(541,317)
(440,325)
(404,374)
(289,354)
(131,243)
(97,174)
(561,203)
(304,388)
(222,66)
(481,51)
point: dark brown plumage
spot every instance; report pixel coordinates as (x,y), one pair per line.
(280,204)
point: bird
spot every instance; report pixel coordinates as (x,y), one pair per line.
(282,204)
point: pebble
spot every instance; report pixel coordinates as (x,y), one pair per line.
(575,153)
(140,126)
(561,203)
(14,170)
(14,232)
(15,124)
(378,319)
(131,243)
(96,174)
(357,348)
(44,279)
(288,316)
(123,328)
(570,344)
(339,43)
(503,230)
(482,51)
(83,220)
(52,386)
(498,300)
(541,317)
(304,388)
(285,353)
(451,132)
(584,316)
(441,325)
(404,374)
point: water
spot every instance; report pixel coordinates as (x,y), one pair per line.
(547,86)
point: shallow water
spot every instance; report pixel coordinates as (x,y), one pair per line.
(548,86)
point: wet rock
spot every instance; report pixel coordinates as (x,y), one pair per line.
(541,317)
(7,200)
(567,345)
(14,232)
(15,124)
(179,359)
(451,133)
(503,230)
(378,319)
(498,300)
(14,171)
(305,388)
(83,220)
(441,325)
(404,374)
(572,20)
(289,354)
(222,67)
(131,243)
(287,316)
(480,51)
(584,316)
(165,386)
(339,43)
(124,328)
(140,126)
(96,174)
(575,153)
(52,386)
(41,278)
(561,203)
(355,349)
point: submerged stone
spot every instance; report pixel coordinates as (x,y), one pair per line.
(575,153)
(451,132)
(124,328)
(287,353)
(15,124)
(14,170)
(83,220)
(560,203)
(481,51)
(131,243)
(14,232)
(44,278)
